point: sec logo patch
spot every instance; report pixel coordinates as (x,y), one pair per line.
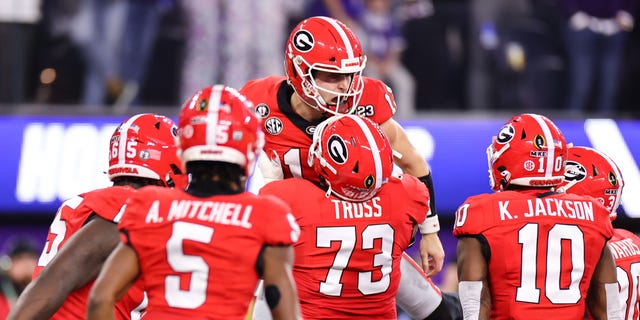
(273,126)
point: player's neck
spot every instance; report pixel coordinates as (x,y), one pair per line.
(303,110)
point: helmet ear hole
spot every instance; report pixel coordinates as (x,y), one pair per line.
(175,169)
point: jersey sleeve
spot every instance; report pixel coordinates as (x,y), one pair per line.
(132,215)
(471,217)
(378,102)
(108,202)
(249,87)
(271,188)
(260,90)
(278,225)
(419,197)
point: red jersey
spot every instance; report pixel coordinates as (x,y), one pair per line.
(543,249)
(625,247)
(4,307)
(288,136)
(69,219)
(347,262)
(198,256)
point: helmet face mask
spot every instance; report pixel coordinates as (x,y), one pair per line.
(144,146)
(528,151)
(590,172)
(322,44)
(352,155)
(219,124)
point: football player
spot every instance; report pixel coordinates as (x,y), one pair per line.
(323,63)
(142,151)
(347,261)
(201,251)
(590,172)
(527,251)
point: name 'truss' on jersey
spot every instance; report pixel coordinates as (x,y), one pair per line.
(354,210)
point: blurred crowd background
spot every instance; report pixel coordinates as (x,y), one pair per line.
(571,57)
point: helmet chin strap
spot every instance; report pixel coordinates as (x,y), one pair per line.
(312,105)
(328,193)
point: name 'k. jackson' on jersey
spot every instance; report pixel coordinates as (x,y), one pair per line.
(69,219)
(198,255)
(542,249)
(347,262)
(288,136)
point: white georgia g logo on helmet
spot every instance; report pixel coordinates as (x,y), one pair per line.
(303,41)
(506,134)
(337,149)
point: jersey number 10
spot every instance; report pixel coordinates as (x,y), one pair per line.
(528,238)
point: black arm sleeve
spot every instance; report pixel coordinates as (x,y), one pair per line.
(432,196)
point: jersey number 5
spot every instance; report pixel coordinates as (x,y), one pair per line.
(196,294)
(347,238)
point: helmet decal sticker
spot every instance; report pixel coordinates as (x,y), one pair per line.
(529,165)
(574,171)
(539,142)
(237,135)
(337,149)
(506,134)
(612,179)
(303,41)
(369,182)
(202,105)
(144,155)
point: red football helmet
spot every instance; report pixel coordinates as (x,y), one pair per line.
(324,44)
(145,146)
(353,156)
(219,124)
(590,172)
(529,151)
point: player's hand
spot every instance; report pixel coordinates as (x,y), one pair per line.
(432,254)
(270,167)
